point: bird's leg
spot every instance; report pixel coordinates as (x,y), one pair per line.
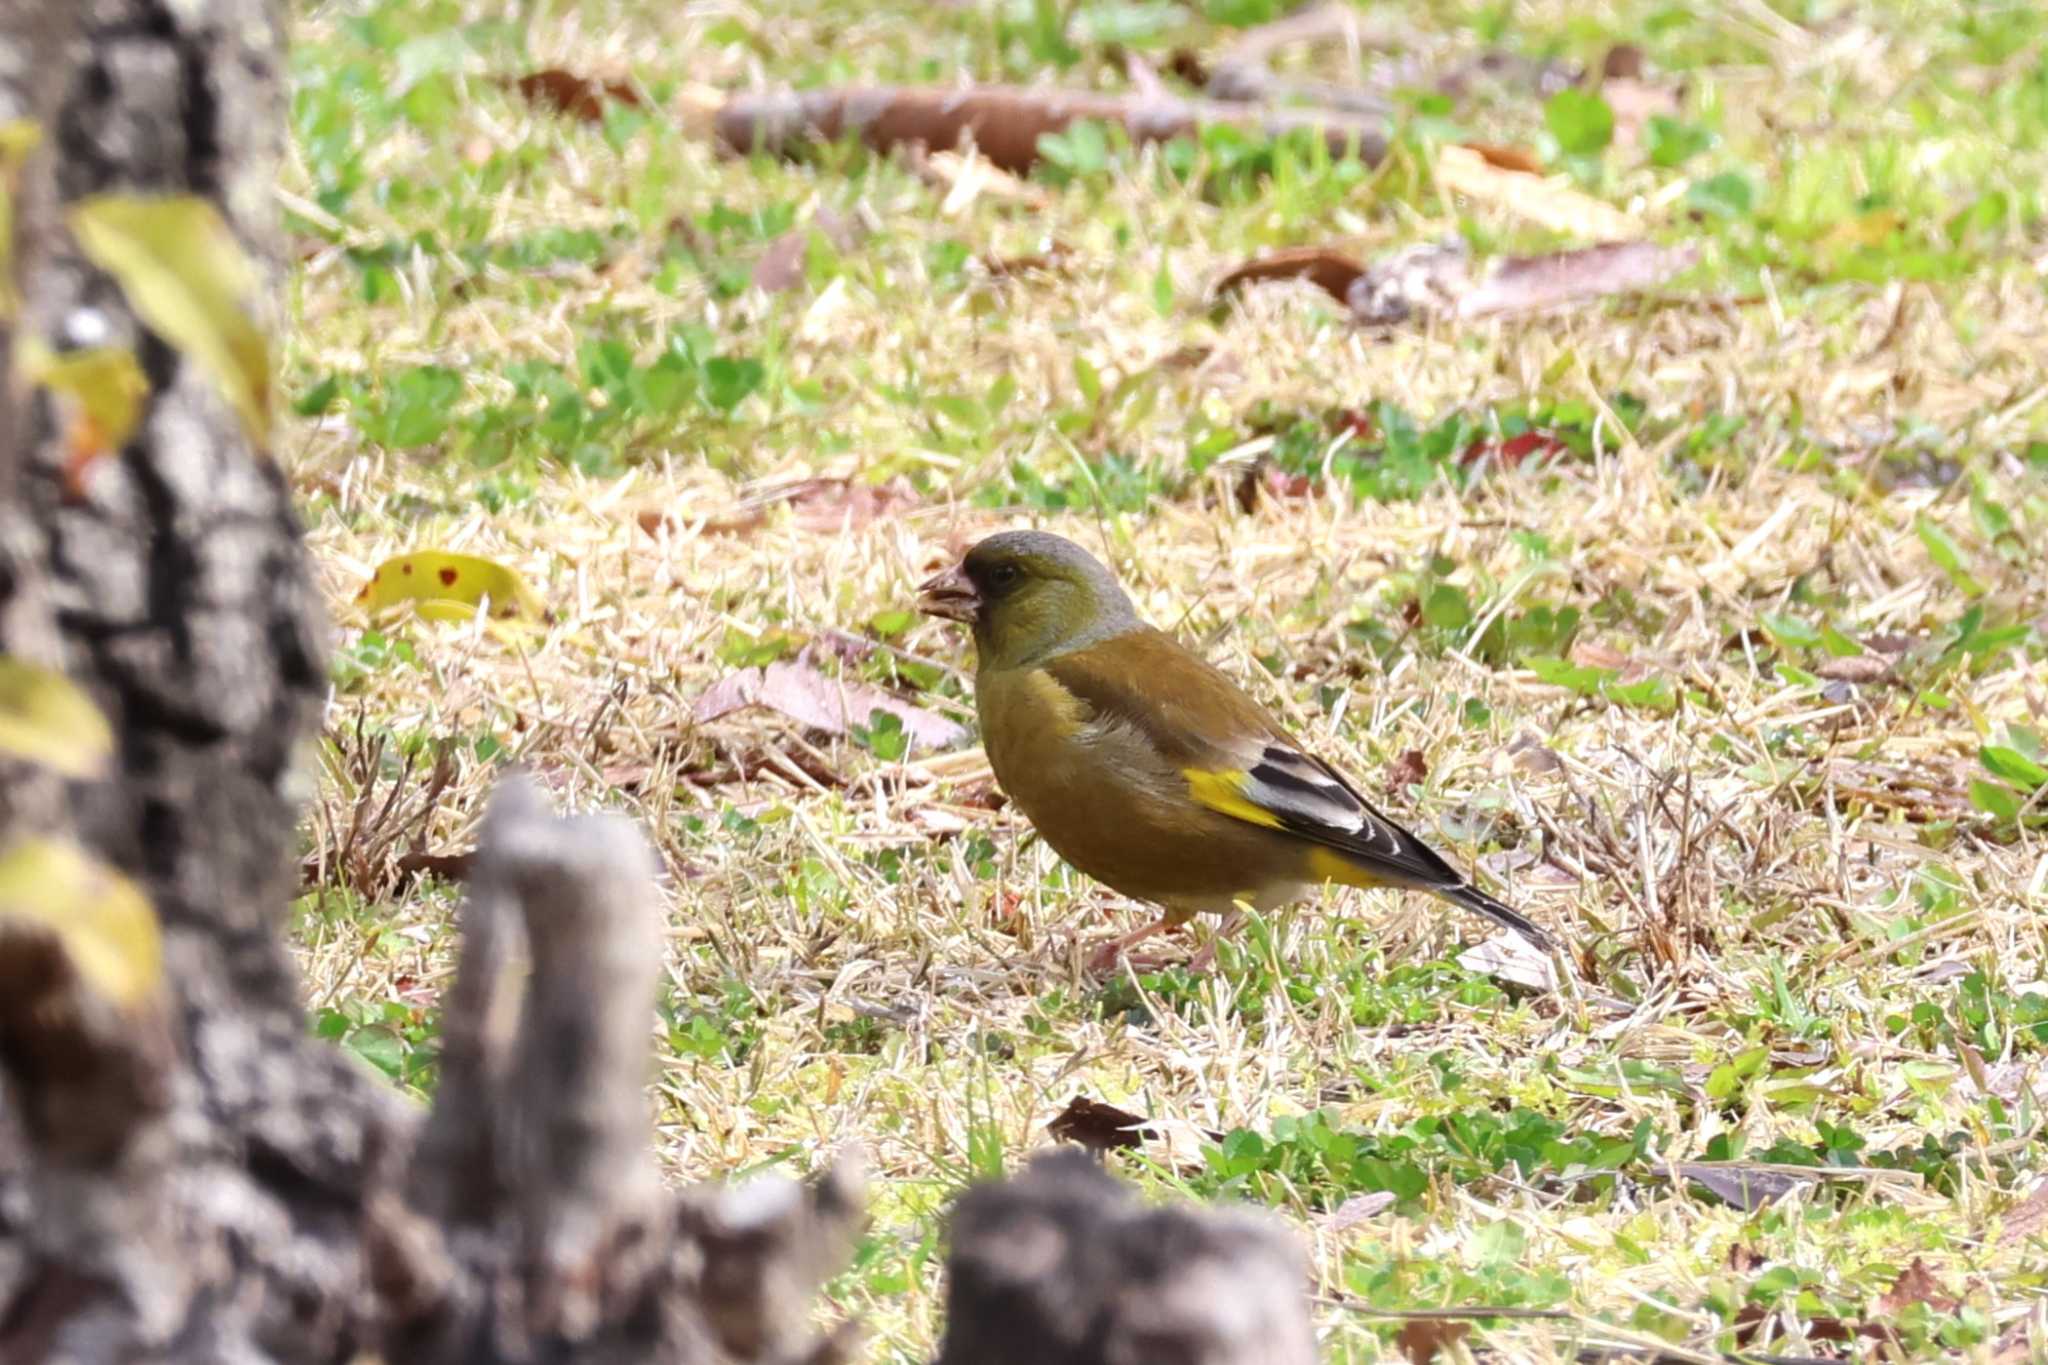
(1205,956)
(1105,958)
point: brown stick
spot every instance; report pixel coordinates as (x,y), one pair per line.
(1006,122)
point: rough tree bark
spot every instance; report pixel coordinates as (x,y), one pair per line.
(1062,1265)
(192,1177)
(200,1196)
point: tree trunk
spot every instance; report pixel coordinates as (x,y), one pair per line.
(187,1175)
(202,1186)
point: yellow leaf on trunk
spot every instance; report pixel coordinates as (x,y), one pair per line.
(46,718)
(105,384)
(186,274)
(104,923)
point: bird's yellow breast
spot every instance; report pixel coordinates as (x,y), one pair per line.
(1111,805)
(1032,729)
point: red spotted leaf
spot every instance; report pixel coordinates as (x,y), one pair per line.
(450,587)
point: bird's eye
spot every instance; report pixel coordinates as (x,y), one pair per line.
(1003,575)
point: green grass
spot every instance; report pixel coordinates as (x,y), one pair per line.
(1714,621)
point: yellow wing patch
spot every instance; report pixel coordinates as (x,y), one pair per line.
(1327,865)
(1223,791)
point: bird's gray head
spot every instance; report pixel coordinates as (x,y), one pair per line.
(1030,594)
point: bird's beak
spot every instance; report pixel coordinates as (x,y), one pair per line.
(951,595)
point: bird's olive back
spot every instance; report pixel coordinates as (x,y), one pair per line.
(1041,595)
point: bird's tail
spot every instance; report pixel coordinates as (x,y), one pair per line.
(1472,898)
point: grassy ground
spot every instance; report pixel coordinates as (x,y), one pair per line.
(1732,686)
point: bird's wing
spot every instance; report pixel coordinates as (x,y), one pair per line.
(1234,756)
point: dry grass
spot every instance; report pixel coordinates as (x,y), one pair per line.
(879,958)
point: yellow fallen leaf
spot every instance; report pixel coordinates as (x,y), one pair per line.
(186,275)
(18,137)
(449,587)
(1547,201)
(46,718)
(106,926)
(106,383)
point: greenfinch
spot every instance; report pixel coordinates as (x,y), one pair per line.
(1146,767)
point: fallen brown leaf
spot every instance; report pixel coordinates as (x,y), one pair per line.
(2016,1347)
(624,270)
(1920,795)
(833,705)
(1053,258)
(1916,1284)
(1532,755)
(1592,654)
(2027,1218)
(1749,1322)
(1359,1208)
(447,867)
(981,796)
(1411,767)
(1353,422)
(655,522)
(1097,1126)
(1420,1339)
(1856,668)
(1263,479)
(1749,637)
(751,764)
(780,267)
(1743,1185)
(1507,158)
(1743,1258)
(1327,268)
(1186,64)
(839,505)
(1008,915)
(1511,451)
(820,505)
(581,97)
(1624,61)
